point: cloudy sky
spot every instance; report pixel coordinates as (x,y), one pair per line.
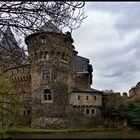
(110,38)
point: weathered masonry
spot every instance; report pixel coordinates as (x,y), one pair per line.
(54,80)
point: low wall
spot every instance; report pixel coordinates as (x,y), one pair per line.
(49,122)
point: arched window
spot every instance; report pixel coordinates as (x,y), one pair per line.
(47,96)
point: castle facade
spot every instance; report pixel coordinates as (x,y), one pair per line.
(53,81)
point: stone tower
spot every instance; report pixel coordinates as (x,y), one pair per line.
(51,58)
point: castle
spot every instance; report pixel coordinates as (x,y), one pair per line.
(53,81)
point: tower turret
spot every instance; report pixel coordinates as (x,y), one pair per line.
(51,55)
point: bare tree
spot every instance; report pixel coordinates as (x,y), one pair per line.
(25,16)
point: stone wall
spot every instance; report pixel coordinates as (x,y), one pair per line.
(21,80)
(49,122)
(72,119)
(81,80)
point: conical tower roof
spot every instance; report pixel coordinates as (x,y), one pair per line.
(10,48)
(8,41)
(49,27)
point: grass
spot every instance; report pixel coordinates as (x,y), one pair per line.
(25,132)
(84,134)
(38,130)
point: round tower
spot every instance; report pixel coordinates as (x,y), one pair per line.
(50,55)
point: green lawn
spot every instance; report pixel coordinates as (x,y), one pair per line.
(68,133)
(38,130)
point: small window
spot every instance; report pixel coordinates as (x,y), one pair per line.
(46,74)
(92,111)
(87,111)
(24,112)
(87,97)
(78,97)
(44,55)
(47,95)
(28,111)
(43,40)
(94,97)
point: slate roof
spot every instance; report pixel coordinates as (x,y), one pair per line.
(8,41)
(50,27)
(80,64)
(81,90)
(9,45)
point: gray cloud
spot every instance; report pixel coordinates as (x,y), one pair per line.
(122,7)
(115,74)
(128,11)
(109,37)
